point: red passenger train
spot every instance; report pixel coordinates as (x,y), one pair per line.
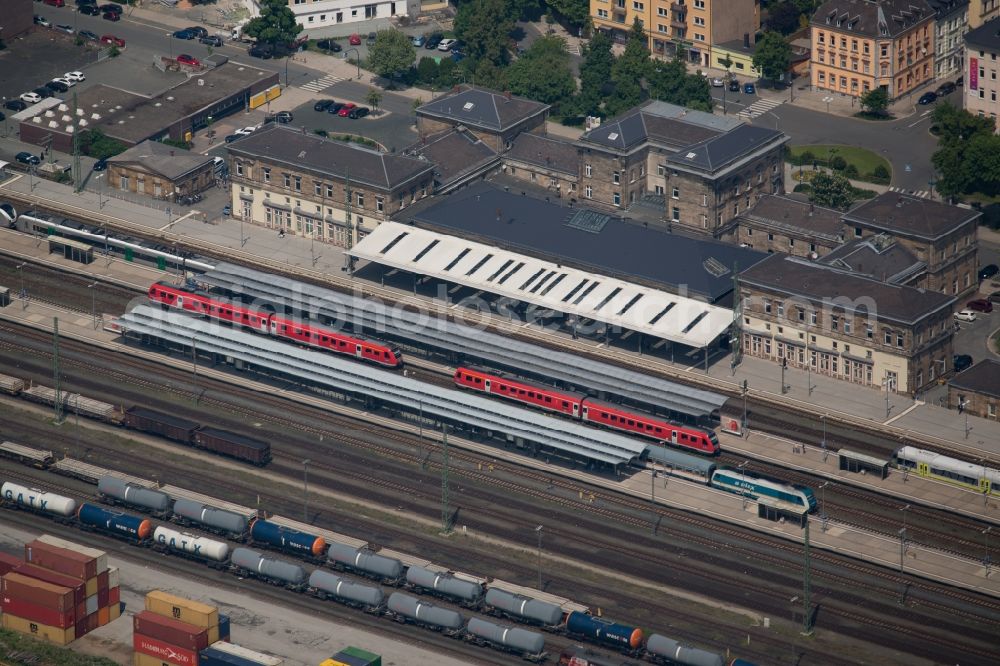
(583,408)
(275,325)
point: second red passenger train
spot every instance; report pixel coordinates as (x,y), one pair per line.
(275,325)
(581,407)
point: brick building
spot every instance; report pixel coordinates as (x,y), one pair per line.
(284,178)
(548,163)
(977,389)
(951,21)
(859,45)
(495,118)
(982,48)
(845,326)
(161,171)
(779,224)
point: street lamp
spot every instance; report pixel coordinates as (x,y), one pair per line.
(743,486)
(358,61)
(823,443)
(93,301)
(100,200)
(822,503)
(305,489)
(538,531)
(962,404)
(22,294)
(986,560)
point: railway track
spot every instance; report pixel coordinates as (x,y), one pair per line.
(288,424)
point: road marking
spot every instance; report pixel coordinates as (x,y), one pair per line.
(319,85)
(924,116)
(916,193)
(916,403)
(760,107)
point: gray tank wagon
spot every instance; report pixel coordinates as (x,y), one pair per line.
(526,644)
(275,571)
(118,491)
(523,609)
(663,650)
(445,585)
(324,585)
(411,609)
(365,562)
(220,521)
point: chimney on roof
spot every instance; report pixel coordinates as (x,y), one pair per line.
(746,40)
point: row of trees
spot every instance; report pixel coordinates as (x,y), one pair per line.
(968,155)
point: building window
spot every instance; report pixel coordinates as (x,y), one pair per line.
(588,170)
(791,242)
(847,329)
(834,323)
(767,305)
(660,170)
(887,338)
(857,232)
(675,214)
(749,231)
(616,178)
(288,180)
(239,168)
(379,204)
(318,188)
(123,182)
(361,199)
(617,198)
(870,332)
(298,183)
(770,237)
(588,192)
(675,194)
(781,309)
(802,314)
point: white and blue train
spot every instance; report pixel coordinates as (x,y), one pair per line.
(755,486)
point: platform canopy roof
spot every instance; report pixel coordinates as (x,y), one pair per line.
(546,284)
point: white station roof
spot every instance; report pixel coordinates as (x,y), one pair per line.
(560,288)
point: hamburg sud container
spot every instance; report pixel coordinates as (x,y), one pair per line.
(287,539)
(668,648)
(123,491)
(519,640)
(230,654)
(195,546)
(603,631)
(38,500)
(115,522)
(170,631)
(170,654)
(185,610)
(215,519)
(526,608)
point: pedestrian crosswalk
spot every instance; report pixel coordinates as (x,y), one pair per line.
(760,107)
(917,193)
(319,85)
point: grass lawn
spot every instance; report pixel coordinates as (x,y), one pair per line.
(863,159)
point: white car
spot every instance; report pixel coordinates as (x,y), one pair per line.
(446,44)
(31,98)
(245,131)
(66,82)
(965,315)
(74,76)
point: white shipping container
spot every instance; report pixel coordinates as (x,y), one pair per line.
(246,653)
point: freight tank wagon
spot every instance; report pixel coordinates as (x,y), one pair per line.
(663,650)
(38,500)
(287,539)
(113,490)
(114,523)
(410,609)
(272,570)
(445,585)
(526,644)
(326,585)
(191,546)
(523,609)
(604,632)
(219,521)
(365,562)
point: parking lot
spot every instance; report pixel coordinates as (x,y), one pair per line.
(39,56)
(392,131)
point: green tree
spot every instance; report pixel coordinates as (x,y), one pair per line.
(959,131)
(427,70)
(629,71)
(374,98)
(485,26)
(486,74)
(391,53)
(574,12)
(543,73)
(832,191)
(448,73)
(772,55)
(94,143)
(784,17)
(875,101)
(595,75)
(275,25)
(669,81)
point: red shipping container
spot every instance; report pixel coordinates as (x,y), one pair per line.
(102,582)
(81,610)
(169,630)
(16,586)
(56,578)
(102,597)
(114,596)
(59,559)
(9,563)
(172,653)
(39,614)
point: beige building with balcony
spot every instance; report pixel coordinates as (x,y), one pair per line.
(982,47)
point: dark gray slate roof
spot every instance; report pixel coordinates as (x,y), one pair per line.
(168,161)
(907,215)
(721,151)
(479,107)
(983,377)
(986,36)
(881,259)
(545,152)
(815,282)
(668,124)
(945,8)
(781,212)
(278,143)
(620,249)
(872,18)
(454,154)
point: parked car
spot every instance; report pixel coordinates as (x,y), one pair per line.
(90,10)
(433,41)
(31,97)
(100,165)
(65,82)
(372,36)
(245,131)
(87,34)
(334,107)
(283,117)
(42,21)
(980,305)
(211,40)
(15,105)
(111,16)
(24,157)
(65,27)
(232,137)
(184,34)
(355,39)
(227,210)
(263,51)
(927,98)
(961,361)
(197,30)
(76,77)
(945,88)
(55,3)
(111,7)
(57,85)
(418,40)
(346,109)
(749,89)
(717,82)
(358,112)
(43,92)
(446,44)
(328,45)
(965,315)
(988,271)
(456,54)
(111,40)
(734,85)
(186,59)
(322,104)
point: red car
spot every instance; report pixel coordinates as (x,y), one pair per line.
(112,16)
(980,305)
(56,3)
(355,40)
(113,41)
(185,59)
(346,109)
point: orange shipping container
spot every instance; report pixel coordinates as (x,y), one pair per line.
(17,586)
(103,616)
(45,632)
(185,610)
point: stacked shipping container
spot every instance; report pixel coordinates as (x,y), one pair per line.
(173,630)
(353,656)
(60,592)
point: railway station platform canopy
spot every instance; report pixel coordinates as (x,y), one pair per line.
(546,284)
(526,358)
(352,377)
